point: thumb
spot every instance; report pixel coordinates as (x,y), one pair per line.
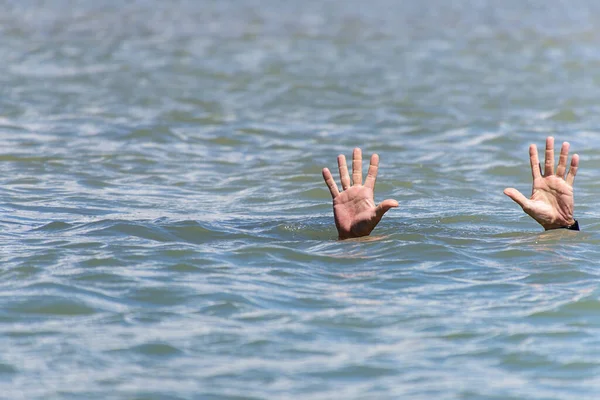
(384,207)
(517,197)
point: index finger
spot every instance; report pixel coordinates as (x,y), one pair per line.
(372,174)
(535,162)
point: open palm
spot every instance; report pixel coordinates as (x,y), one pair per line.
(354,209)
(551,203)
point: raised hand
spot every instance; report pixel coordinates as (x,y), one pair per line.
(354,209)
(551,203)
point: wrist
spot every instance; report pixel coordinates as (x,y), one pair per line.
(571,224)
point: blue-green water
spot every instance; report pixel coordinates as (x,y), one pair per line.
(166,234)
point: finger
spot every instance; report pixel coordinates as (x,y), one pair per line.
(384,207)
(536,171)
(330,182)
(562,160)
(517,197)
(343,168)
(357,167)
(549,161)
(573,170)
(372,174)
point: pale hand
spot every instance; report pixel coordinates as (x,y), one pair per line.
(551,203)
(354,209)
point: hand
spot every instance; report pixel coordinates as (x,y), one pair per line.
(551,203)
(354,209)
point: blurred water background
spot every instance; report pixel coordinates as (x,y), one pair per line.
(166,234)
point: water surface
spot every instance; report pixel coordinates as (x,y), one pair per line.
(166,234)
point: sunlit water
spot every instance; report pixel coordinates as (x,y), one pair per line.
(166,234)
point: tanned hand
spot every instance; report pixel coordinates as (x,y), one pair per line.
(551,203)
(354,209)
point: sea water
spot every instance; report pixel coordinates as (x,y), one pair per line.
(166,233)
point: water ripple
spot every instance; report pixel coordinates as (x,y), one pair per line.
(166,233)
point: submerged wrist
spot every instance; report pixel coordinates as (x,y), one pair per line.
(571,224)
